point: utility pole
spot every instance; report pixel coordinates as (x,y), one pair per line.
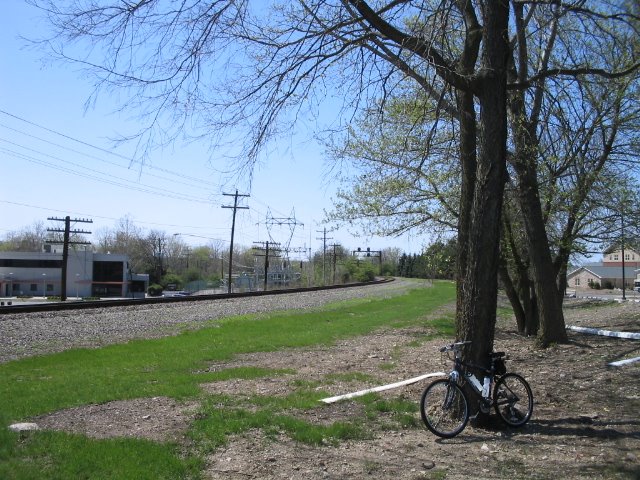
(160,269)
(274,252)
(233,227)
(334,260)
(65,246)
(324,252)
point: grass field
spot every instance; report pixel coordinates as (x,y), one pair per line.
(175,367)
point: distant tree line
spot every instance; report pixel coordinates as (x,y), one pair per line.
(438,261)
(172,263)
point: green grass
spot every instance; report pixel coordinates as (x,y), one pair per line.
(214,424)
(58,455)
(175,367)
(400,410)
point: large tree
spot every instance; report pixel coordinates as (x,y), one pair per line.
(227,64)
(566,134)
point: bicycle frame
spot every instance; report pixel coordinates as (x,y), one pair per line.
(460,375)
(444,404)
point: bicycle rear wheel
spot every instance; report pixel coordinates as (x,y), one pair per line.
(513,399)
(444,408)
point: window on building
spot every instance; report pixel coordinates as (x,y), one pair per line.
(16,287)
(20,263)
(627,256)
(615,257)
(577,281)
(49,287)
(34,287)
(108,271)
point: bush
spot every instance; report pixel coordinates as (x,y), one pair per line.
(365,273)
(172,281)
(155,290)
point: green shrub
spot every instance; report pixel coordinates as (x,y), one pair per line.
(155,290)
(594,285)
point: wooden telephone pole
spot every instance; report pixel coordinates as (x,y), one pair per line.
(268,250)
(233,228)
(324,239)
(65,246)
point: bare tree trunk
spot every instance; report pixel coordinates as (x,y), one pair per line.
(468,166)
(512,295)
(543,273)
(516,271)
(477,306)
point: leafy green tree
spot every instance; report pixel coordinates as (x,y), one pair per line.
(193,274)
(172,279)
(440,259)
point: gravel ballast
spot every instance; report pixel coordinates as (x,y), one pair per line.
(28,334)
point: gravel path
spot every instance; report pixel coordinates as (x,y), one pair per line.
(29,334)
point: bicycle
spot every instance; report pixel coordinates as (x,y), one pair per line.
(444,405)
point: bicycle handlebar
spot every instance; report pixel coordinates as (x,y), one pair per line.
(455,346)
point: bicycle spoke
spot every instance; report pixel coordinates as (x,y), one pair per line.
(513,399)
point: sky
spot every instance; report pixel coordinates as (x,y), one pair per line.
(58,158)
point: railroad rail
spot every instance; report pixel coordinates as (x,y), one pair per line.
(80,305)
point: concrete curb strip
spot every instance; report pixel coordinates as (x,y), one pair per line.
(382,387)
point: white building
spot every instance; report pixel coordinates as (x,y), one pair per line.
(89,274)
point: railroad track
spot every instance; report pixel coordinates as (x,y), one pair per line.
(82,305)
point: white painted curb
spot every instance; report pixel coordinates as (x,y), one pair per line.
(620,363)
(606,333)
(610,333)
(382,387)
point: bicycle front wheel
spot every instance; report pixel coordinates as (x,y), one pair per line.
(513,399)
(444,408)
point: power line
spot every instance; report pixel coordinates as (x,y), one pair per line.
(84,214)
(143,189)
(104,150)
(85,155)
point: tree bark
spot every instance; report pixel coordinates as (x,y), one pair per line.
(479,287)
(512,295)
(468,164)
(543,273)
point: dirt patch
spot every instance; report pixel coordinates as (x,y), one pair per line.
(160,419)
(585,422)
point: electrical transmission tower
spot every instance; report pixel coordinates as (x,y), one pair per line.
(271,222)
(65,246)
(267,250)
